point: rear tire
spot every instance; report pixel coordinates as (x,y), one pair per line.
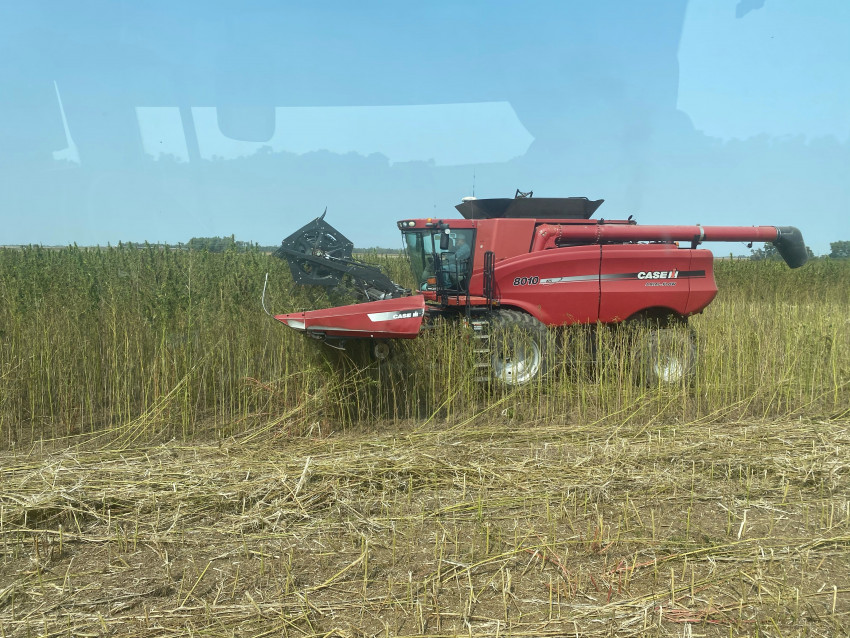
(519,348)
(665,354)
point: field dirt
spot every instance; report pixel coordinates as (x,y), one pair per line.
(483,528)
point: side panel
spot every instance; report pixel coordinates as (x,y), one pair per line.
(703,289)
(505,237)
(558,286)
(636,277)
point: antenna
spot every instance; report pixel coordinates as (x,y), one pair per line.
(473,182)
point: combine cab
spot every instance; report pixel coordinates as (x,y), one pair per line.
(520,266)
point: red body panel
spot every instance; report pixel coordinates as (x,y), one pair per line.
(557,291)
(703,289)
(607,283)
(505,237)
(399,318)
(636,277)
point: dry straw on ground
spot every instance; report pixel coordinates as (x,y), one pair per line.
(486,528)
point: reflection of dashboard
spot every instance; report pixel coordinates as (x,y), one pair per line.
(484,132)
(232,72)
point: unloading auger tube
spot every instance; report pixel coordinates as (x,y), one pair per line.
(787,239)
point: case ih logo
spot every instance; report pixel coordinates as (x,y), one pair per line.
(618,276)
(390,315)
(658,274)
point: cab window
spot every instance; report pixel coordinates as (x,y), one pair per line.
(454,263)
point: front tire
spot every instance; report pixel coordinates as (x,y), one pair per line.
(519,348)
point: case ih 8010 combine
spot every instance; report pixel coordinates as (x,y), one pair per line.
(513,268)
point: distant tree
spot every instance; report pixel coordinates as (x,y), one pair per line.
(210,244)
(219,244)
(768,251)
(840,250)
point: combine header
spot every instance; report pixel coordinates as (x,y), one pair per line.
(512,268)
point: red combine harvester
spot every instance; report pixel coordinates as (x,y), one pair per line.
(511,268)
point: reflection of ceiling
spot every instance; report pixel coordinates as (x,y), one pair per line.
(445,134)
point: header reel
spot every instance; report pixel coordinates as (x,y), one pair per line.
(319,255)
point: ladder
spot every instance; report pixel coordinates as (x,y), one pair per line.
(481,349)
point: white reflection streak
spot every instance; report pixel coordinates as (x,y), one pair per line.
(69,153)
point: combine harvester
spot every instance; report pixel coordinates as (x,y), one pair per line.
(513,268)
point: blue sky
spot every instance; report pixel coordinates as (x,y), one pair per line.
(161,121)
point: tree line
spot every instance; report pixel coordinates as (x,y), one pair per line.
(838,250)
